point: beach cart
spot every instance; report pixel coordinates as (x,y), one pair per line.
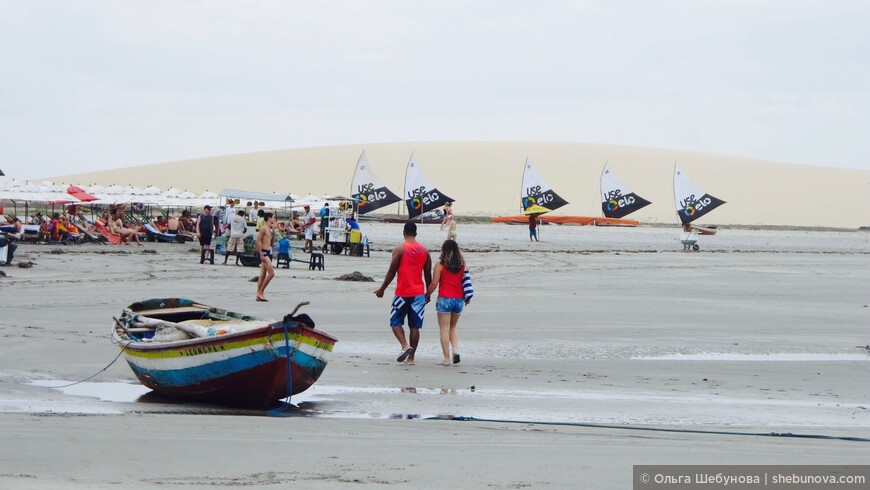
(689,239)
(336,237)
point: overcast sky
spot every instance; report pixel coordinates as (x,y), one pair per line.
(90,85)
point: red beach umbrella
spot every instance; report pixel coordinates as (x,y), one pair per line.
(80,194)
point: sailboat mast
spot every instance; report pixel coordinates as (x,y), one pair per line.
(405,188)
(674,186)
(523,183)
(600,187)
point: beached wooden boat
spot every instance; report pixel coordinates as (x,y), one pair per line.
(187,350)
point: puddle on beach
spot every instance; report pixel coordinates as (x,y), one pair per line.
(134,393)
(773,357)
(119,398)
(107,392)
(353,402)
(107,398)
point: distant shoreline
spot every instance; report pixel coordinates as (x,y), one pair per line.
(487,219)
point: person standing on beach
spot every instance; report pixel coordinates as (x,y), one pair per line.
(324,222)
(449,221)
(236,243)
(204,232)
(264,248)
(533,227)
(229,214)
(448,279)
(308,222)
(413,266)
(252,213)
(448,213)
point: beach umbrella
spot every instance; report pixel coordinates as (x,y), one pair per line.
(80,194)
(535,209)
(95,189)
(115,190)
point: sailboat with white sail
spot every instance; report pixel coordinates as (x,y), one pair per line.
(536,196)
(692,203)
(617,200)
(420,195)
(367,190)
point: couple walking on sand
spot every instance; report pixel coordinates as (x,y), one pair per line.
(411,264)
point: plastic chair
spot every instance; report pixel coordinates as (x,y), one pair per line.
(316,261)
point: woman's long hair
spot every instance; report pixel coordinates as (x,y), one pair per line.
(451,257)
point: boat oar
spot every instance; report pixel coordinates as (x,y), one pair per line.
(123,328)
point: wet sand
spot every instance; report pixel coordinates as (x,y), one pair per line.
(595,327)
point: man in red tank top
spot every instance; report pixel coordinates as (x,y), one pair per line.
(413,266)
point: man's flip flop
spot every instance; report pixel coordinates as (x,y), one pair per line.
(404,355)
(455,358)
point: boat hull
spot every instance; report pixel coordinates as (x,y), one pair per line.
(246,369)
(433,221)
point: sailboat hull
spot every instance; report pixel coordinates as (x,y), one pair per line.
(569,220)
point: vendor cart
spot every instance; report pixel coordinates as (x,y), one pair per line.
(336,237)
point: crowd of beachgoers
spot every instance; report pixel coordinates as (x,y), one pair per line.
(116,224)
(121,225)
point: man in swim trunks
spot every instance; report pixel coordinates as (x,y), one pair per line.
(413,265)
(264,246)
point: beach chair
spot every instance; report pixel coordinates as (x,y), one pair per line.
(156,235)
(284,253)
(113,238)
(4,252)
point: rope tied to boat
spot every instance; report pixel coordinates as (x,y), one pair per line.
(281,411)
(653,429)
(123,348)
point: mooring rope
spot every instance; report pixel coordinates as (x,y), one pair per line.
(285,404)
(654,429)
(95,374)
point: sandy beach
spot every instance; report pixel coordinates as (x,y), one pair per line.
(571,349)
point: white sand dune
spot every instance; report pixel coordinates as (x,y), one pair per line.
(484,178)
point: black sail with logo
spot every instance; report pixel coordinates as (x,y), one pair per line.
(369,199)
(618,206)
(693,208)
